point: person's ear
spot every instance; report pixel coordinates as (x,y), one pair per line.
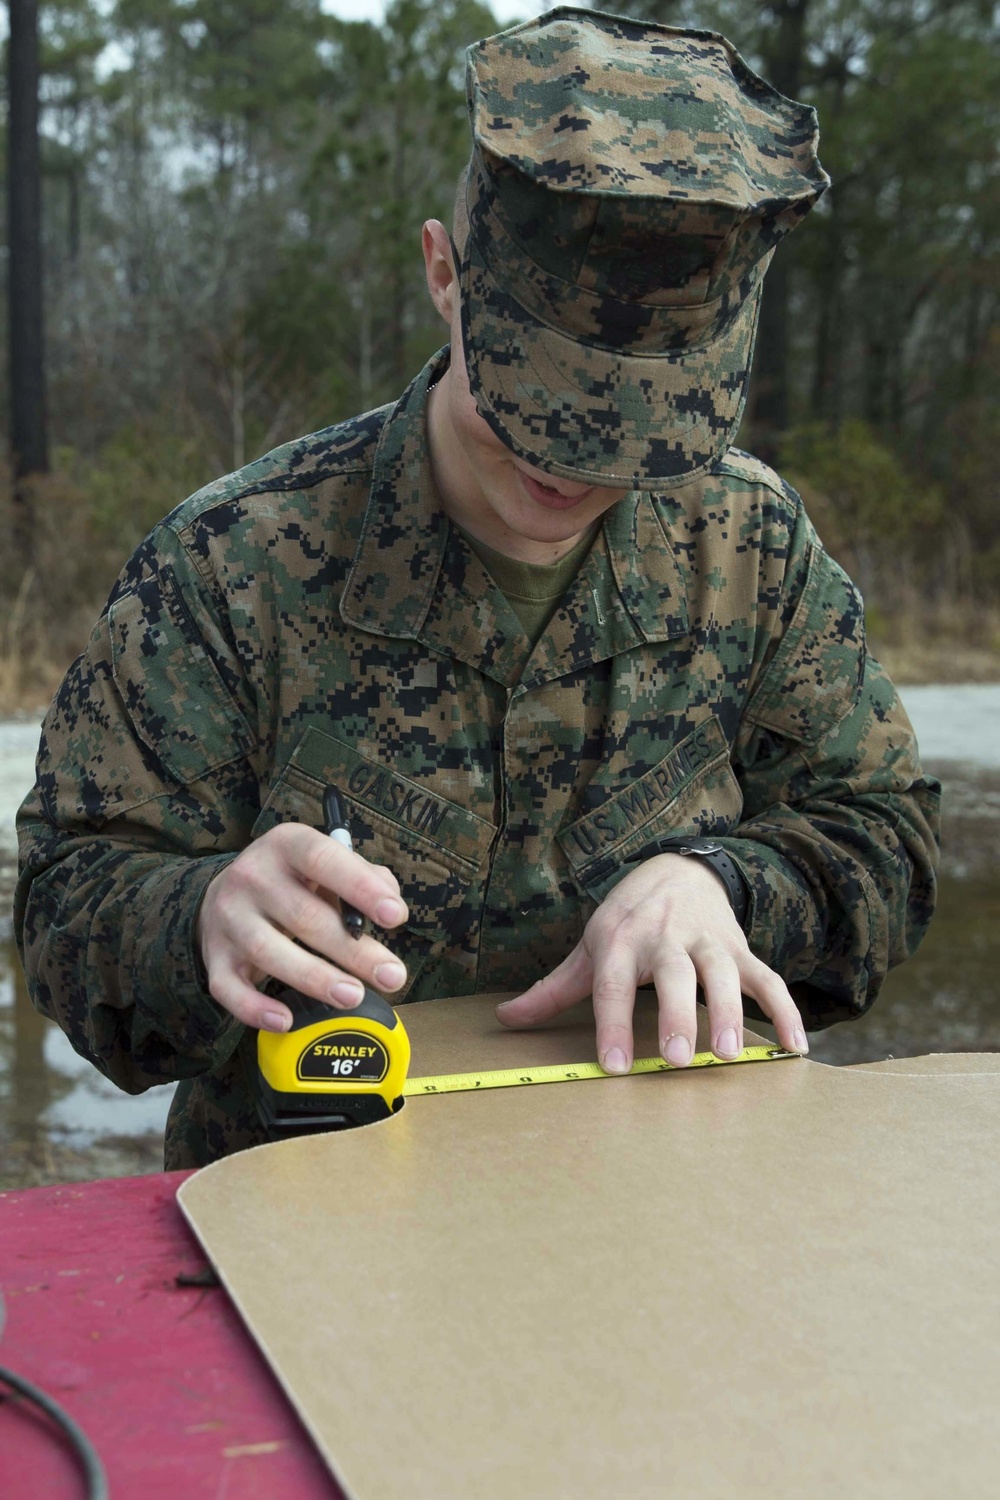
(442,282)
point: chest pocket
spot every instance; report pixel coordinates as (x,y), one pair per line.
(692,790)
(434,847)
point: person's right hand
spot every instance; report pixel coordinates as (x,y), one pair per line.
(285,886)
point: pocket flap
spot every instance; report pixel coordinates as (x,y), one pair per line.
(433,846)
(692,790)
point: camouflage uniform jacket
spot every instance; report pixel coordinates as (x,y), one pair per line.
(315,618)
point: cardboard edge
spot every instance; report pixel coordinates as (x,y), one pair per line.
(257,1336)
(934,1065)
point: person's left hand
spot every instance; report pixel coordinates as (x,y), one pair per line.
(670,923)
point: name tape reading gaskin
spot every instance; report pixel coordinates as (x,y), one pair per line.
(508,1078)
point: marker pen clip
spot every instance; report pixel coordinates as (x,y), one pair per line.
(338,830)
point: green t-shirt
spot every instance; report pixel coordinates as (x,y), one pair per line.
(532,589)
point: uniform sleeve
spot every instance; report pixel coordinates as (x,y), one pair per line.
(838,837)
(144,791)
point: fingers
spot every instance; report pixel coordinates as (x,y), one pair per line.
(612,985)
(258,946)
(677,988)
(327,865)
(677,979)
(724,979)
(719,974)
(270,913)
(237,994)
(772,995)
(614,1001)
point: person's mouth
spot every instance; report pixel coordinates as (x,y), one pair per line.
(549,496)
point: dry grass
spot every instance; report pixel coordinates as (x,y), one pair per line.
(917,662)
(919,641)
(47,609)
(31,667)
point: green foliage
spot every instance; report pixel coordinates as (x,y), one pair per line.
(870,511)
(858,484)
(138,476)
(72,37)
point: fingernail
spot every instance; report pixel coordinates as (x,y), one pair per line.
(678,1051)
(389,912)
(728,1044)
(346,993)
(389,976)
(614,1061)
(801,1042)
(275,1020)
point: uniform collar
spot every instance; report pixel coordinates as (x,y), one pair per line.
(629,591)
(414,577)
(405,531)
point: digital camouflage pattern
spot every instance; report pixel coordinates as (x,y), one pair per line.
(316,618)
(628,186)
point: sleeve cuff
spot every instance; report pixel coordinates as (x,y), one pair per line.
(168,980)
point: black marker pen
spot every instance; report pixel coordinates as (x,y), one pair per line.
(337,828)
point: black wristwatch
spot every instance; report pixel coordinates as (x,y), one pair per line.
(710,853)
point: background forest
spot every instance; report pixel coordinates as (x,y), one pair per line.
(232,194)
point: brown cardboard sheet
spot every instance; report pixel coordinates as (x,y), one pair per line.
(774,1280)
(938,1063)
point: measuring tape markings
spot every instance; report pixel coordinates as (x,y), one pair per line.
(506,1078)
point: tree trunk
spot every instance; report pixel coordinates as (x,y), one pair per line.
(828,375)
(770,374)
(876,374)
(783,53)
(397,295)
(827,392)
(28,426)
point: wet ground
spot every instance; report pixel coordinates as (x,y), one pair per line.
(61,1121)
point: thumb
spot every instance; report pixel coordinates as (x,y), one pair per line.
(571,981)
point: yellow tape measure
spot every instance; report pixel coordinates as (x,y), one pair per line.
(508,1078)
(349,1068)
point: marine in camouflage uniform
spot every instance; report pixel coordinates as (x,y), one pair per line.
(317,619)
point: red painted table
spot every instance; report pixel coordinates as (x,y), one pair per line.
(164,1380)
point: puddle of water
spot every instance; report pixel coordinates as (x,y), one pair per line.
(957,722)
(60,1120)
(944,999)
(18,743)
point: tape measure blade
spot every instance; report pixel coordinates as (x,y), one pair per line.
(505,1078)
(501,1078)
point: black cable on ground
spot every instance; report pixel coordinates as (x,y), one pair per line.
(97,1483)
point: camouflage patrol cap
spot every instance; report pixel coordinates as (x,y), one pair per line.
(628,184)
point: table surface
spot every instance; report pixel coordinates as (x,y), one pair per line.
(165,1380)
